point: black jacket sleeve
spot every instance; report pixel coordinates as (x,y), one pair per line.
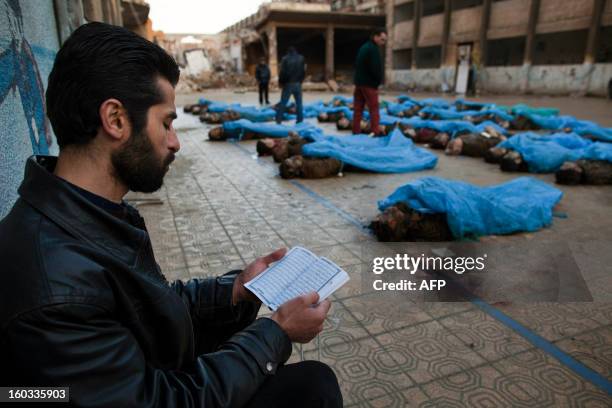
(282,75)
(84,346)
(209,302)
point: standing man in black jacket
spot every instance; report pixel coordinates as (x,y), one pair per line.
(290,78)
(83,304)
(262,75)
(369,74)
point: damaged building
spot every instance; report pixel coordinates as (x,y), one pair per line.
(327,33)
(511,46)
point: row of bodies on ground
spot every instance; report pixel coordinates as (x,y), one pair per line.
(518,138)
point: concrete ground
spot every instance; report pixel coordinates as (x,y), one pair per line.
(222,207)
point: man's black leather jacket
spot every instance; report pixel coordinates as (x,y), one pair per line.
(292,69)
(83,304)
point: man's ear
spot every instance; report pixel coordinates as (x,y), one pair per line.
(115,121)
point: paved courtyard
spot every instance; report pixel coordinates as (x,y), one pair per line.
(222,207)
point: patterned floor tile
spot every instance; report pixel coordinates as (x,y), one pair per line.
(533,378)
(381,312)
(474,388)
(485,335)
(428,351)
(412,397)
(365,371)
(552,321)
(593,349)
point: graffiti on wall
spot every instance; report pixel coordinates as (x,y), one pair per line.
(20,74)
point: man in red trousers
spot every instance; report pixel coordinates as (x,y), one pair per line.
(368,77)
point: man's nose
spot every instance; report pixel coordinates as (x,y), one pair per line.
(173,142)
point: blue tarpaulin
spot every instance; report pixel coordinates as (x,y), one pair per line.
(436,102)
(452,127)
(546,153)
(237,128)
(522,108)
(342,99)
(389,154)
(473,104)
(522,204)
(448,114)
(395,109)
(581,127)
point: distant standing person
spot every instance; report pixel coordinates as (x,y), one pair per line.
(368,77)
(290,78)
(262,75)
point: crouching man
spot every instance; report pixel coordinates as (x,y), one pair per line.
(83,304)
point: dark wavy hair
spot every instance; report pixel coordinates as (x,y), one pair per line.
(98,62)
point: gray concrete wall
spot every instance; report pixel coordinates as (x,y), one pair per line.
(28,43)
(591,79)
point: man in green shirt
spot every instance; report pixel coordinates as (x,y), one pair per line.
(368,76)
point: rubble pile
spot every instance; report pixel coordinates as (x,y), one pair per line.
(215,79)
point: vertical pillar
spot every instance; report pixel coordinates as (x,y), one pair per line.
(273,52)
(484,27)
(534,11)
(445,30)
(93,10)
(591,48)
(416,31)
(390,39)
(329,52)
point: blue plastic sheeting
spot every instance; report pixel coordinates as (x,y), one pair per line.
(522,108)
(343,99)
(396,108)
(336,109)
(311,110)
(522,204)
(473,104)
(435,102)
(219,107)
(389,154)
(598,151)
(449,114)
(452,127)
(254,114)
(546,153)
(581,127)
(237,128)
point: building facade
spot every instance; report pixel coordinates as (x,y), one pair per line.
(512,46)
(327,33)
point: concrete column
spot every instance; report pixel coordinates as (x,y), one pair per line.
(389,48)
(591,48)
(484,27)
(329,52)
(416,31)
(92,10)
(534,11)
(272,52)
(446,30)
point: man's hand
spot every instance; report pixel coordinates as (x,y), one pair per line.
(239,292)
(301,318)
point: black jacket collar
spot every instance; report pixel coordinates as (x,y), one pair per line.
(78,216)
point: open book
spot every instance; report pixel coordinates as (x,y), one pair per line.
(299,272)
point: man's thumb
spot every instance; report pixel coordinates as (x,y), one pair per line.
(311,298)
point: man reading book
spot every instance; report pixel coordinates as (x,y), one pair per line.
(83,304)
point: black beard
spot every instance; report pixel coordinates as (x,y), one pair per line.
(137,165)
